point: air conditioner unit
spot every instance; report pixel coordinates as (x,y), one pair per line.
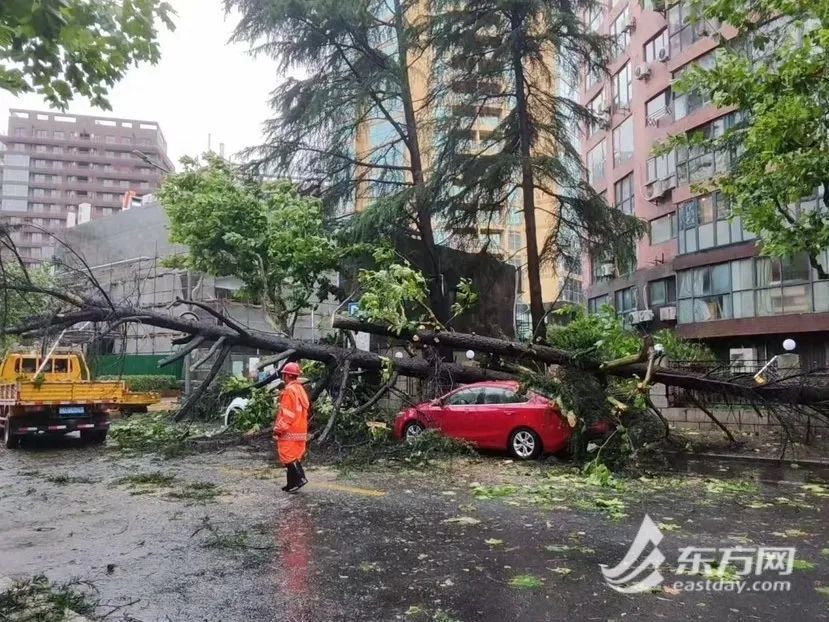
(642,72)
(604,120)
(607,270)
(640,317)
(631,24)
(668,183)
(663,55)
(667,314)
(655,190)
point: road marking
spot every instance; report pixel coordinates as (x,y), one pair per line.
(352,489)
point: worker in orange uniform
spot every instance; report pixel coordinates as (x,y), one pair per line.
(290,430)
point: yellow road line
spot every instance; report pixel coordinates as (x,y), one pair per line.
(352,489)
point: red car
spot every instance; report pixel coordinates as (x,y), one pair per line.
(491,415)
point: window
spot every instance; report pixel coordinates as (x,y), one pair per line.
(125,140)
(661,167)
(697,163)
(19,131)
(27,365)
(60,366)
(623,191)
(652,47)
(621,87)
(109,140)
(497,395)
(58,135)
(596,163)
(662,292)
(594,305)
(663,229)
(620,32)
(597,107)
(750,288)
(659,106)
(687,103)
(514,241)
(684,30)
(41,134)
(16,174)
(571,291)
(625,300)
(623,141)
(594,16)
(465,397)
(704,223)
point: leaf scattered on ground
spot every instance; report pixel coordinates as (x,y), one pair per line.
(823,590)
(196,491)
(493,542)
(39,599)
(668,527)
(462,520)
(802,564)
(561,570)
(526,582)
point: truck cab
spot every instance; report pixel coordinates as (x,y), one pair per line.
(61,367)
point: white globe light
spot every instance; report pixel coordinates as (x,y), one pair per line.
(789,345)
(658,348)
(398,355)
(470,354)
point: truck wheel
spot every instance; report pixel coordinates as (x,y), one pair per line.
(96,437)
(9,440)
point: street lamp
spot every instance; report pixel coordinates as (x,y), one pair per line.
(143,156)
(470,354)
(789,345)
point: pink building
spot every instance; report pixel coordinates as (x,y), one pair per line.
(696,270)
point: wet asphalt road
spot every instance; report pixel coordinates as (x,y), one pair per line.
(370,546)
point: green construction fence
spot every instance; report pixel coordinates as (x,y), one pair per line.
(134,365)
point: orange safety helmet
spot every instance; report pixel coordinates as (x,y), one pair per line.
(291,369)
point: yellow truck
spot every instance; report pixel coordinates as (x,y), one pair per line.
(55,395)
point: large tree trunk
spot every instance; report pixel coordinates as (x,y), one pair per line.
(527,179)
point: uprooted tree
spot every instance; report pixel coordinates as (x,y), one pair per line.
(574,365)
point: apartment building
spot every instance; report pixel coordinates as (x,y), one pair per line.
(697,270)
(57,164)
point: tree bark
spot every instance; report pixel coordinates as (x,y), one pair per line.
(527,179)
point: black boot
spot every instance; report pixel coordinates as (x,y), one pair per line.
(301,473)
(292,479)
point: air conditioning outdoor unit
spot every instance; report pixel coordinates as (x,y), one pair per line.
(663,55)
(607,270)
(631,24)
(667,314)
(655,190)
(642,72)
(640,317)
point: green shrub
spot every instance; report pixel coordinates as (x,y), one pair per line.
(143,384)
(259,413)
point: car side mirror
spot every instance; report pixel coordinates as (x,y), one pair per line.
(436,402)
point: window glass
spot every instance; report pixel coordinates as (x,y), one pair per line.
(622,87)
(597,107)
(659,106)
(652,47)
(619,32)
(623,141)
(663,229)
(464,397)
(502,396)
(28,365)
(60,366)
(623,191)
(596,163)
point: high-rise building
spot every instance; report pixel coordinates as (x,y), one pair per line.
(57,164)
(697,270)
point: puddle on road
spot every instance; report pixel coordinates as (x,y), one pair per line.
(768,473)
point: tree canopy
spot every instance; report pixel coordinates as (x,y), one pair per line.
(63,48)
(775,74)
(265,234)
(510,63)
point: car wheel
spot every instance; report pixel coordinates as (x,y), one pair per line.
(412,431)
(9,439)
(524,444)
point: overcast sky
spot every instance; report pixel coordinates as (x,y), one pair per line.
(201,86)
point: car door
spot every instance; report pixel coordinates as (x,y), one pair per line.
(456,414)
(496,417)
